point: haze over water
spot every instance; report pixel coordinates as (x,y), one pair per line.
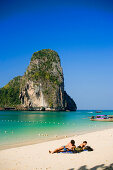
(25,126)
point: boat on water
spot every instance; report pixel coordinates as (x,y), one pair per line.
(102,118)
(98,111)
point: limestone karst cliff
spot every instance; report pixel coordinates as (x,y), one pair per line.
(42,86)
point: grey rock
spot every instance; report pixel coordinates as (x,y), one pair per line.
(42,86)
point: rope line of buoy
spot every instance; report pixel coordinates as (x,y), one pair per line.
(32,122)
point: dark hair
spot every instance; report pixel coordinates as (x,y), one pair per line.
(88,148)
(84,141)
(73,142)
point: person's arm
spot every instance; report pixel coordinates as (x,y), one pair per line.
(73,147)
(83,147)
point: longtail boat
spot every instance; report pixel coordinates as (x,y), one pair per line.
(102,118)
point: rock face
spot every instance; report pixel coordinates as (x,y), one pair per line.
(43,83)
(41,87)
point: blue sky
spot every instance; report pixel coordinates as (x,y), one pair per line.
(82,34)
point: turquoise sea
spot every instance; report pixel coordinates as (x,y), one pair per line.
(27,126)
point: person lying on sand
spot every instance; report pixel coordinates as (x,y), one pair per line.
(69,147)
(82,145)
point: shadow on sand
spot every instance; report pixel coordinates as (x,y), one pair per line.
(102,166)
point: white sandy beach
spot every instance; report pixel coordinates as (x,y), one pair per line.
(37,157)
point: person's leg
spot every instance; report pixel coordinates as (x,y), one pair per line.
(57,150)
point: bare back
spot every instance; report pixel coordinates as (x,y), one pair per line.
(70,146)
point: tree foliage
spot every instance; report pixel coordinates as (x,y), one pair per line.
(9,94)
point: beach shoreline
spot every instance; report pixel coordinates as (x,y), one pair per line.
(37,141)
(36,156)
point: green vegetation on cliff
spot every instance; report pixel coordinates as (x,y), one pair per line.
(46,58)
(50,56)
(9,94)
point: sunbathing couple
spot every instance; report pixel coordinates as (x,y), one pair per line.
(70,147)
